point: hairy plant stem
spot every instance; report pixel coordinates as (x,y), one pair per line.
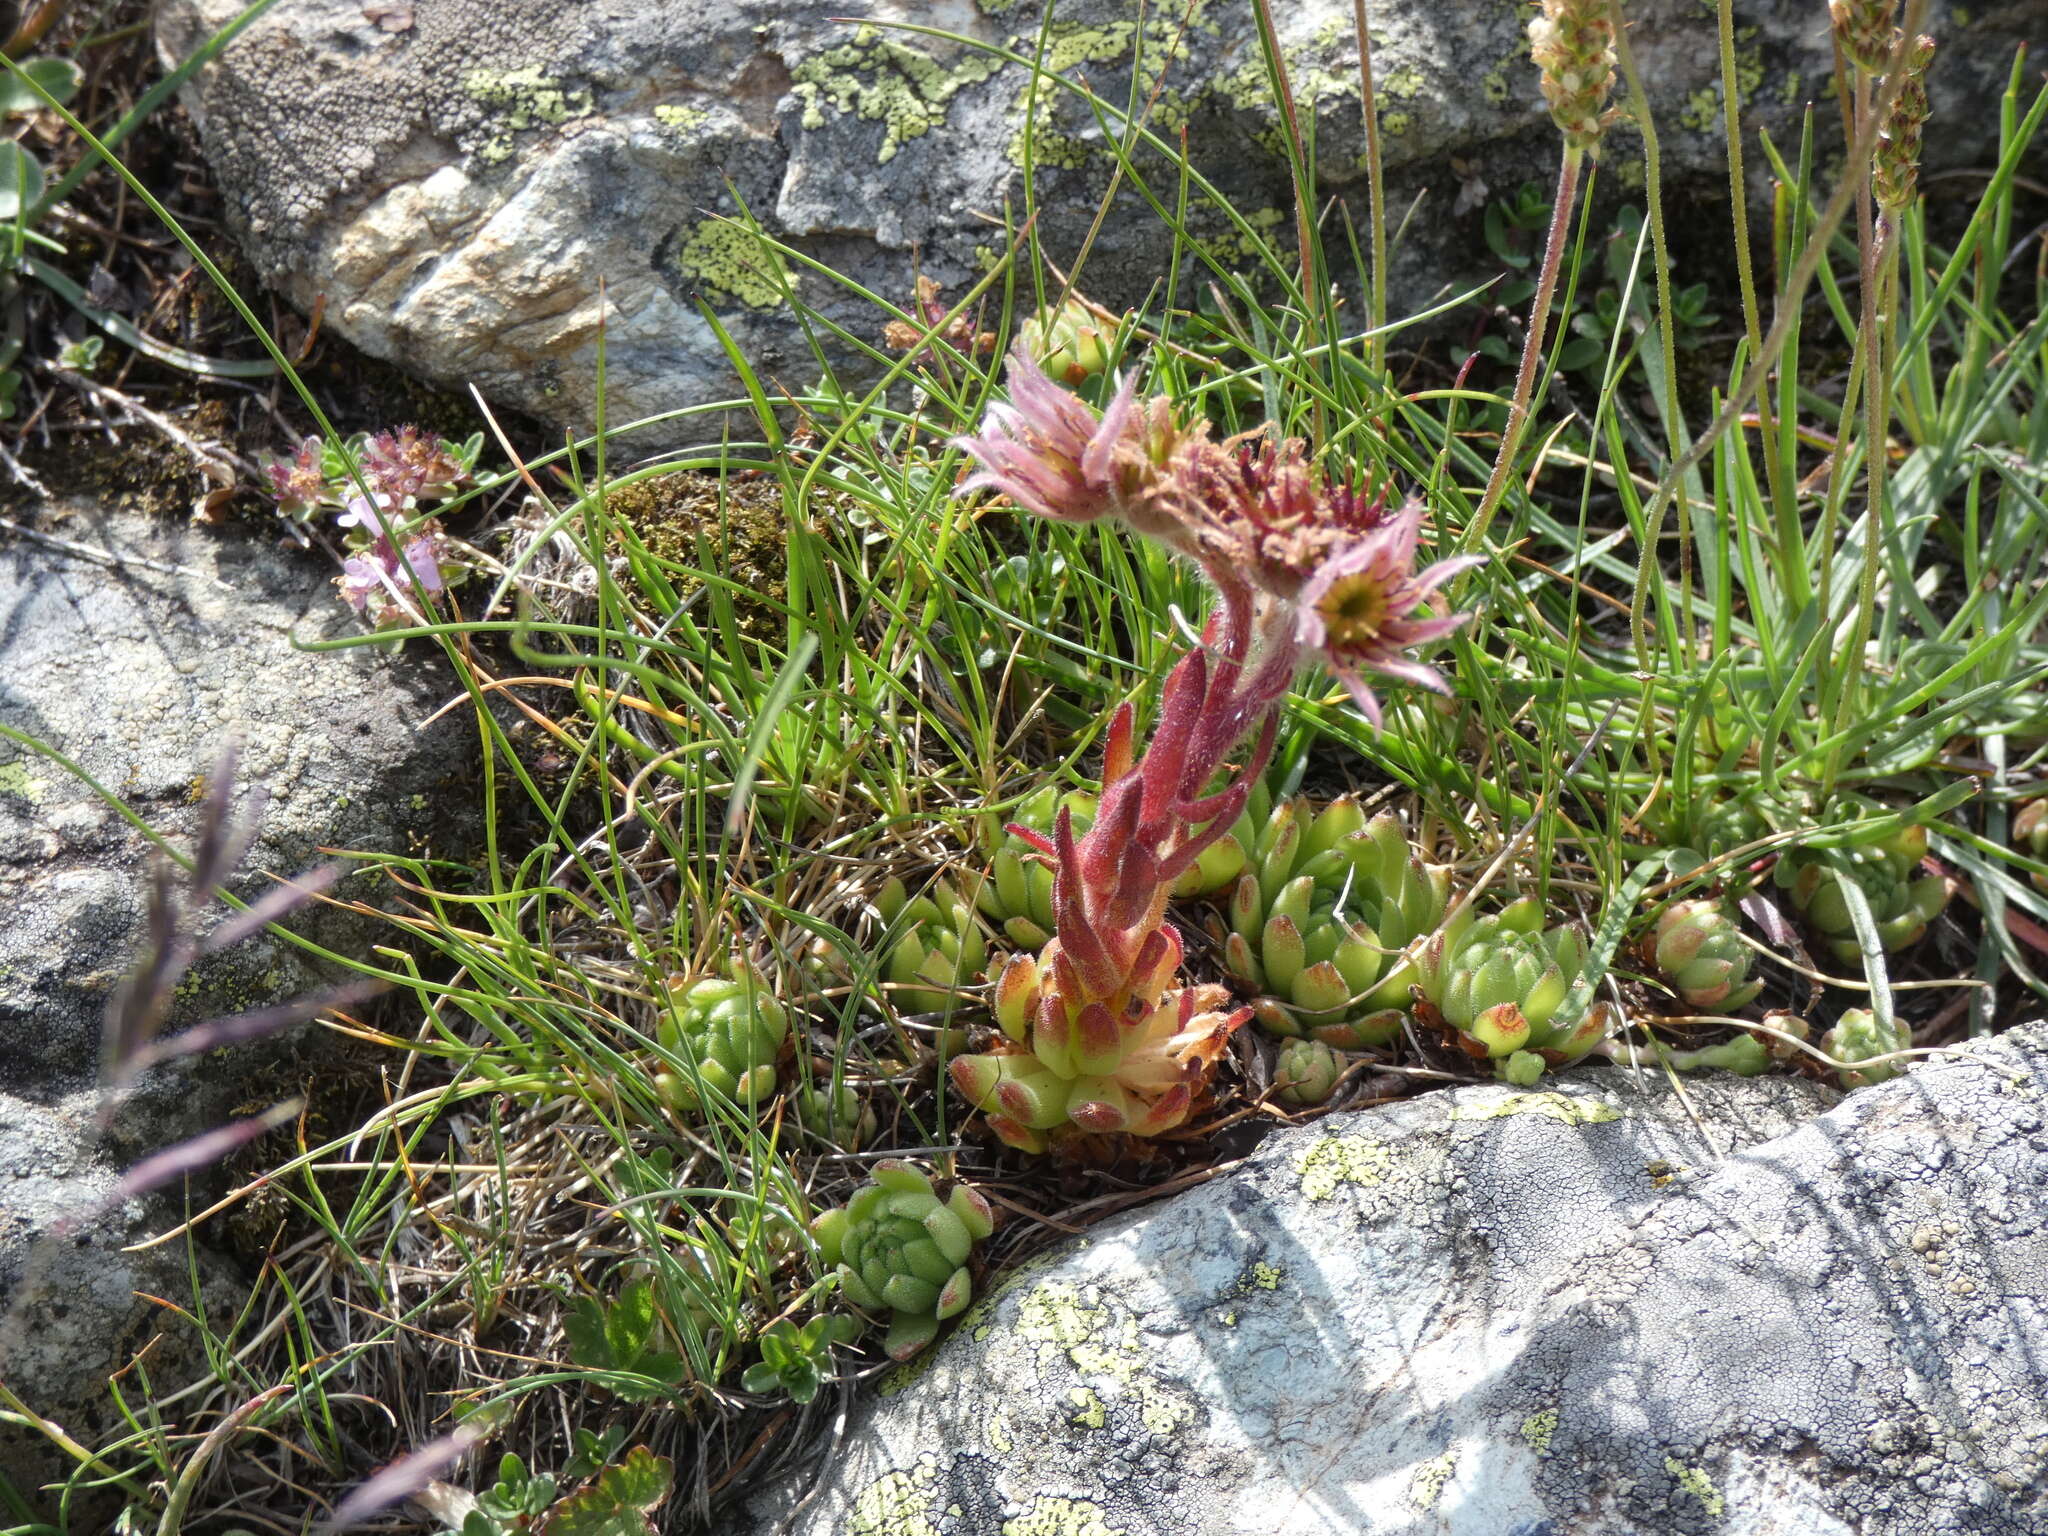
(1674,434)
(1375,188)
(1532,344)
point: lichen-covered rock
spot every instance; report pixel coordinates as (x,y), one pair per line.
(1491,1310)
(139,666)
(458,188)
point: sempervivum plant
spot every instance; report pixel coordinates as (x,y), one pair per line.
(1305,1073)
(1501,981)
(730,1030)
(1090,1068)
(898,1248)
(1698,946)
(1902,901)
(1320,919)
(938,947)
(1858,1037)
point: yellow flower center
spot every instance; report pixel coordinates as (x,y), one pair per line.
(1353,612)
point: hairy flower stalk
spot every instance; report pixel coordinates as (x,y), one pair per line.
(1103,1035)
(1572,45)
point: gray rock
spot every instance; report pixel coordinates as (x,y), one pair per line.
(1487,1311)
(459,188)
(139,672)
(140,675)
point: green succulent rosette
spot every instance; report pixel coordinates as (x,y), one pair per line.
(1886,870)
(1745,1056)
(1698,947)
(1501,980)
(1858,1038)
(1305,1073)
(731,1029)
(838,1115)
(1321,917)
(898,1248)
(938,946)
(1071,344)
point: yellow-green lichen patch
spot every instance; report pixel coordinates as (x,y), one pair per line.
(16,780)
(1099,1339)
(1260,1277)
(1426,1486)
(1060,1517)
(681,119)
(1695,1481)
(1402,83)
(521,99)
(1089,1412)
(880,80)
(726,259)
(1333,1161)
(1702,111)
(1562,1108)
(997,1432)
(905,1375)
(1538,1428)
(1396,123)
(897,1503)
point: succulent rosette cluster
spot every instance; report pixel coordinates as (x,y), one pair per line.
(1903,901)
(938,949)
(1501,980)
(1857,1040)
(1305,1073)
(898,1248)
(382,490)
(1321,921)
(1698,947)
(730,1029)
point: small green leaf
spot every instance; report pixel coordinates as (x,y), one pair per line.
(59,77)
(629,1324)
(21,181)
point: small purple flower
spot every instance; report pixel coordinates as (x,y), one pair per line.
(361,512)
(1357,607)
(407,462)
(299,483)
(424,556)
(362,577)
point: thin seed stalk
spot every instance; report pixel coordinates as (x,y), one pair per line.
(1668,349)
(1798,589)
(1568,166)
(1375,189)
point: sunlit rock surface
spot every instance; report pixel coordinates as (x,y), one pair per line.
(1571,1312)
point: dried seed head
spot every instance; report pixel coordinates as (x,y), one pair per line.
(1572,44)
(1896,167)
(1865,32)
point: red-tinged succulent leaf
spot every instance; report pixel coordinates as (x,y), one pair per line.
(1098,1041)
(1165,1112)
(977,1078)
(1022,1137)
